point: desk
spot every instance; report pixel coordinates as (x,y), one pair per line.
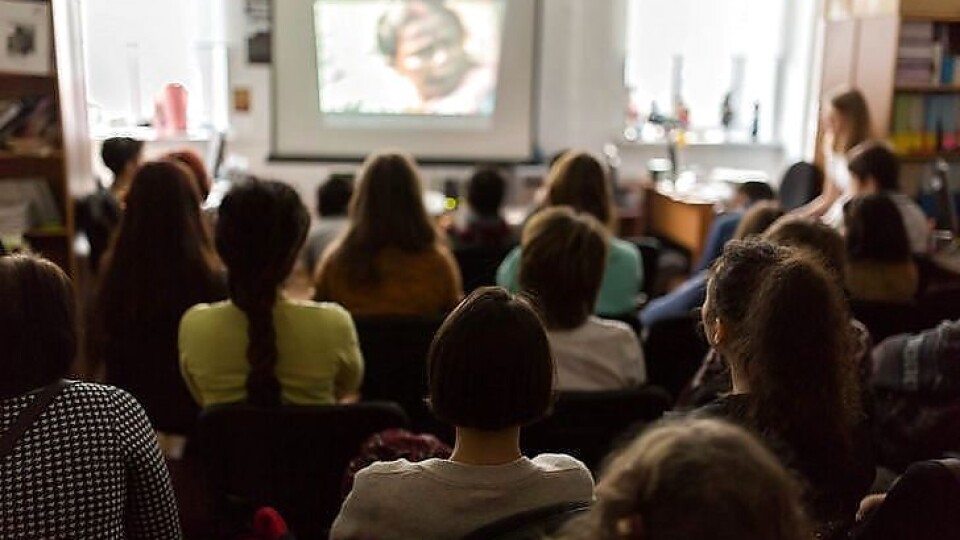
(683,218)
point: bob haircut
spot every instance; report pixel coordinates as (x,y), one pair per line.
(37,324)
(490,366)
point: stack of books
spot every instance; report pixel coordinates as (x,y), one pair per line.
(926,123)
(928,54)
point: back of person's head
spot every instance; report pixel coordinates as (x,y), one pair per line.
(198,170)
(788,327)
(386,211)
(490,366)
(694,479)
(562,262)
(875,230)
(485,192)
(118,152)
(852,107)
(814,237)
(260,229)
(755,191)
(874,160)
(757,219)
(162,250)
(333,197)
(578,180)
(37,326)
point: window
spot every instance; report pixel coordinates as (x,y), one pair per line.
(703,51)
(133,48)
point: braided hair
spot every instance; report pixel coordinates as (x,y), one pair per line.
(261,227)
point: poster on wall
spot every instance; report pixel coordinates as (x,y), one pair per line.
(25,37)
(258,34)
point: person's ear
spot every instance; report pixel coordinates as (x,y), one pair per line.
(718,333)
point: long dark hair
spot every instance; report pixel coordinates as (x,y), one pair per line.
(790,327)
(161,260)
(260,229)
(386,211)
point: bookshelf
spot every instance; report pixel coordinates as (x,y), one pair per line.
(44,132)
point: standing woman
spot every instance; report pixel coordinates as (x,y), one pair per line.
(579,181)
(259,346)
(390,260)
(160,264)
(847,125)
(77,460)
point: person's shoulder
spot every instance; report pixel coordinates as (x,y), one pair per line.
(558,463)
(568,470)
(206,311)
(623,249)
(609,328)
(100,396)
(385,470)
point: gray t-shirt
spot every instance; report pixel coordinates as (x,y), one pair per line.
(438,499)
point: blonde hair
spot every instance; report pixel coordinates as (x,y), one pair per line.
(851,104)
(694,479)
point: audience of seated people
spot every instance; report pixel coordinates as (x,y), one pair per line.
(100,213)
(848,124)
(161,263)
(874,168)
(482,224)
(561,267)
(333,203)
(690,294)
(779,319)
(880,265)
(578,180)
(725,225)
(259,346)
(390,260)
(77,460)
(692,480)
(491,373)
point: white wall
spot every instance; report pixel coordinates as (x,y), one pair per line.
(581,99)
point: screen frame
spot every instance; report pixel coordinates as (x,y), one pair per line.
(533,145)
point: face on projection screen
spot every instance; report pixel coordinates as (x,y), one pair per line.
(408,57)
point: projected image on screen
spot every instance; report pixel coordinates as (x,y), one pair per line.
(408,57)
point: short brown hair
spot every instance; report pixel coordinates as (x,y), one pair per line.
(562,261)
(490,366)
(37,326)
(691,479)
(813,236)
(578,180)
(758,219)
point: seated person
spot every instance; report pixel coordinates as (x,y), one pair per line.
(880,266)
(490,373)
(694,480)
(484,226)
(100,212)
(192,161)
(921,504)
(725,225)
(875,169)
(690,294)
(780,320)
(578,180)
(560,269)
(333,202)
(87,464)
(259,346)
(390,259)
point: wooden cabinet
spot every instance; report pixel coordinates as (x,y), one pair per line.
(64,160)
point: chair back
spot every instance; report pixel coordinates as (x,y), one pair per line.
(530,525)
(291,458)
(800,185)
(587,425)
(674,349)
(649,248)
(885,319)
(478,265)
(395,362)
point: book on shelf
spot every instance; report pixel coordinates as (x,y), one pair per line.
(29,122)
(928,53)
(29,199)
(926,124)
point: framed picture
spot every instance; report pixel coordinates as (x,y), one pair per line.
(25,37)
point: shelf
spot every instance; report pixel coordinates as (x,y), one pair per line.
(47,233)
(54,155)
(922,158)
(12,85)
(929,88)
